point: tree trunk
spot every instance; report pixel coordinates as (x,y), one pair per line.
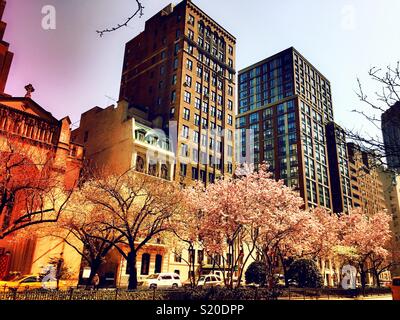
(285,271)
(376,276)
(363,276)
(133,279)
(94,267)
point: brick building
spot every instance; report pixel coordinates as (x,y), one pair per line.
(30,132)
(182,68)
(5,55)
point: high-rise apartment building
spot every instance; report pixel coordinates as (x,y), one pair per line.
(391,135)
(366,186)
(339,171)
(182,68)
(286,102)
(5,55)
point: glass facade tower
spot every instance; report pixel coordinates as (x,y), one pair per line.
(286,103)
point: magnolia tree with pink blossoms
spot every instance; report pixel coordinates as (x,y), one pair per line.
(252,215)
(279,219)
(314,237)
(225,215)
(186,229)
(368,239)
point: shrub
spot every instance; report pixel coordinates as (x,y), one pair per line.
(306,273)
(256,273)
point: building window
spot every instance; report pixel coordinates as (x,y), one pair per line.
(198,87)
(195,174)
(205,107)
(158,266)
(173,96)
(189,64)
(196,119)
(230,105)
(174,79)
(187,97)
(230,120)
(230,151)
(191,20)
(145,267)
(184,151)
(196,137)
(197,103)
(185,132)
(219,114)
(204,140)
(186,114)
(188,81)
(183,169)
(200,256)
(220,100)
(230,168)
(254,118)
(204,123)
(191,34)
(176,62)
(178,257)
(195,156)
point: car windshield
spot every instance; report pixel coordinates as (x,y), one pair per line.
(153,276)
(201,278)
(19,278)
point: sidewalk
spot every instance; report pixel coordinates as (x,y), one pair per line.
(373,298)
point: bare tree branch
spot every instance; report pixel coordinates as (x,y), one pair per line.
(139,12)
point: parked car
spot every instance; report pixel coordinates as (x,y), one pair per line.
(163,281)
(29,282)
(293,283)
(395,286)
(207,281)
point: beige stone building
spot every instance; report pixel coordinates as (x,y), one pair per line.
(391,188)
(366,185)
(118,139)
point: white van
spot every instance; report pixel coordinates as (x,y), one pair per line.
(163,281)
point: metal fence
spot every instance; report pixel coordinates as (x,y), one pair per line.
(193,294)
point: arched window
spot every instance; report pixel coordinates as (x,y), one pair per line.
(145,264)
(152,169)
(164,171)
(140,164)
(158,267)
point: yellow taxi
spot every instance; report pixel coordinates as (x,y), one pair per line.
(27,282)
(395,286)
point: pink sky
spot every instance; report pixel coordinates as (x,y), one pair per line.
(73,69)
